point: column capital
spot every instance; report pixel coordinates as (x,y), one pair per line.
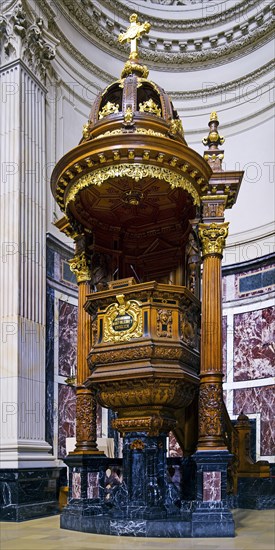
(26,38)
(80,266)
(212,237)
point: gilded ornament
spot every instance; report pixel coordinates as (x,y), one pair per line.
(85,131)
(137,445)
(150,107)
(128,115)
(135,31)
(135,171)
(122,320)
(213,137)
(146,155)
(173,161)
(214,116)
(80,266)
(108,109)
(149,132)
(116,132)
(116,155)
(78,168)
(143,131)
(102,158)
(130,68)
(89,162)
(132,197)
(154,425)
(131,154)
(69,174)
(212,237)
(176,127)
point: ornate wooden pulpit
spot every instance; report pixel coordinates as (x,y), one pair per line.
(146,213)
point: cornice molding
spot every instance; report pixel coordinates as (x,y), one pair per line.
(162,52)
(225,87)
(198,94)
(180,25)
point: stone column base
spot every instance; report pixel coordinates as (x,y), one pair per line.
(212,516)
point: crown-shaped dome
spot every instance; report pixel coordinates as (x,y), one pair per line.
(133,104)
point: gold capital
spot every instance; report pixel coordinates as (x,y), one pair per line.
(79,265)
(212,237)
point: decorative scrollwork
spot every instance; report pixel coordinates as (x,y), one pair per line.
(176,127)
(123,321)
(85,417)
(150,107)
(210,410)
(108,109)
(135,171)
(80,266)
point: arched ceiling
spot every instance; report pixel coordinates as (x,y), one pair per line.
(184,32)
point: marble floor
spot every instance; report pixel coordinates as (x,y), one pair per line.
(254,530)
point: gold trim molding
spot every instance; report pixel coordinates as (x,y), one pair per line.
(135,171)
(212,237)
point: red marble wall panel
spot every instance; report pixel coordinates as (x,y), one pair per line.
(76,485)
(260,399)
(174,447)
(66,416)
(93,485)
(211,486)
(254,349)
(98,421)
(67,338)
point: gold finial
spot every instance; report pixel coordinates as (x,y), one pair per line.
(214,116)
(213,139)
(132,34)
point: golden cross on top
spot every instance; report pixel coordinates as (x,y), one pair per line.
(134,32)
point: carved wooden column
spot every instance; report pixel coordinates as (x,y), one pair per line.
(85,398)
(212,236)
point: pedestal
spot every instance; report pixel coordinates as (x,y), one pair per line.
(212,517)
(145,503)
